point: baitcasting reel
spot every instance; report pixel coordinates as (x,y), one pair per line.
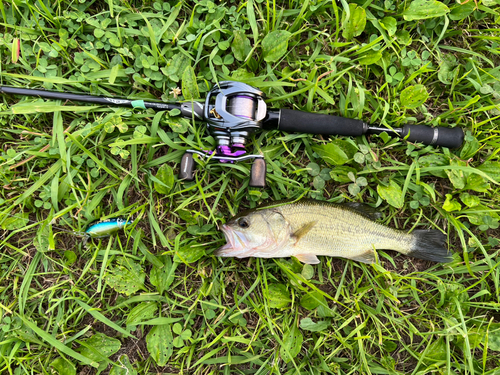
(234,110)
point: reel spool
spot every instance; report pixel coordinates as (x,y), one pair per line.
(235,105)
(233,111)
(242,106)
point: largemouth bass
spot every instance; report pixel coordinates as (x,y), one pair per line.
(308,228)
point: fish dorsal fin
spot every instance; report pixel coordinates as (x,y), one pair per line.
(303,230)
(368,257)
(364,209)
(307,258)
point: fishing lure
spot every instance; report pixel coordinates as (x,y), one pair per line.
(96,229)
(105,228)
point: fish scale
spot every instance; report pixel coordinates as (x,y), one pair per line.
(308,228)
(338,229)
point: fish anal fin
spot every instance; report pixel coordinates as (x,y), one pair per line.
(367,257)
(307,258)
(303,230)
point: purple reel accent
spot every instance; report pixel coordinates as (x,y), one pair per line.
(227,151)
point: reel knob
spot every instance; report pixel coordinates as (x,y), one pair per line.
(187,165)
(258,174)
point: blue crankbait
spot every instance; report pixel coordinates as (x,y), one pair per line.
(106,227)
(96,229)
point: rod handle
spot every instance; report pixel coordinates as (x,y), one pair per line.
(439,136)
(314,123)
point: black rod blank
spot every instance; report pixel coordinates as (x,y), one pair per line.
(89,98)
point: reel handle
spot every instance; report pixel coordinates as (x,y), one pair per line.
(257,173)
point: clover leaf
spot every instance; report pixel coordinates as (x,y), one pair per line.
(183,335)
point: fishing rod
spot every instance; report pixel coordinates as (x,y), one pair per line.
(235,110)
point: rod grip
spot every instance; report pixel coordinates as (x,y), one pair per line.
(314,123)
(444,137)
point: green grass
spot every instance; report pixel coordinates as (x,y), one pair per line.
(153,299)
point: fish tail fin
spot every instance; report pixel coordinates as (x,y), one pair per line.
(430,245)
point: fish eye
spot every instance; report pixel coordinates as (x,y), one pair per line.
(243,223)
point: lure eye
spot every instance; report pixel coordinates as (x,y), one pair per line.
(243,223)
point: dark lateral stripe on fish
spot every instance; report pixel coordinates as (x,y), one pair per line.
(354,207)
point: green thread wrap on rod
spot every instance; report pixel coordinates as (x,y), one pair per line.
(138,104)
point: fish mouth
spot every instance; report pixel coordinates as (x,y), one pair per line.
(235,244)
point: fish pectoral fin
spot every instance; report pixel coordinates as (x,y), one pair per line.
(368,257)
(307,258)
(303,230)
